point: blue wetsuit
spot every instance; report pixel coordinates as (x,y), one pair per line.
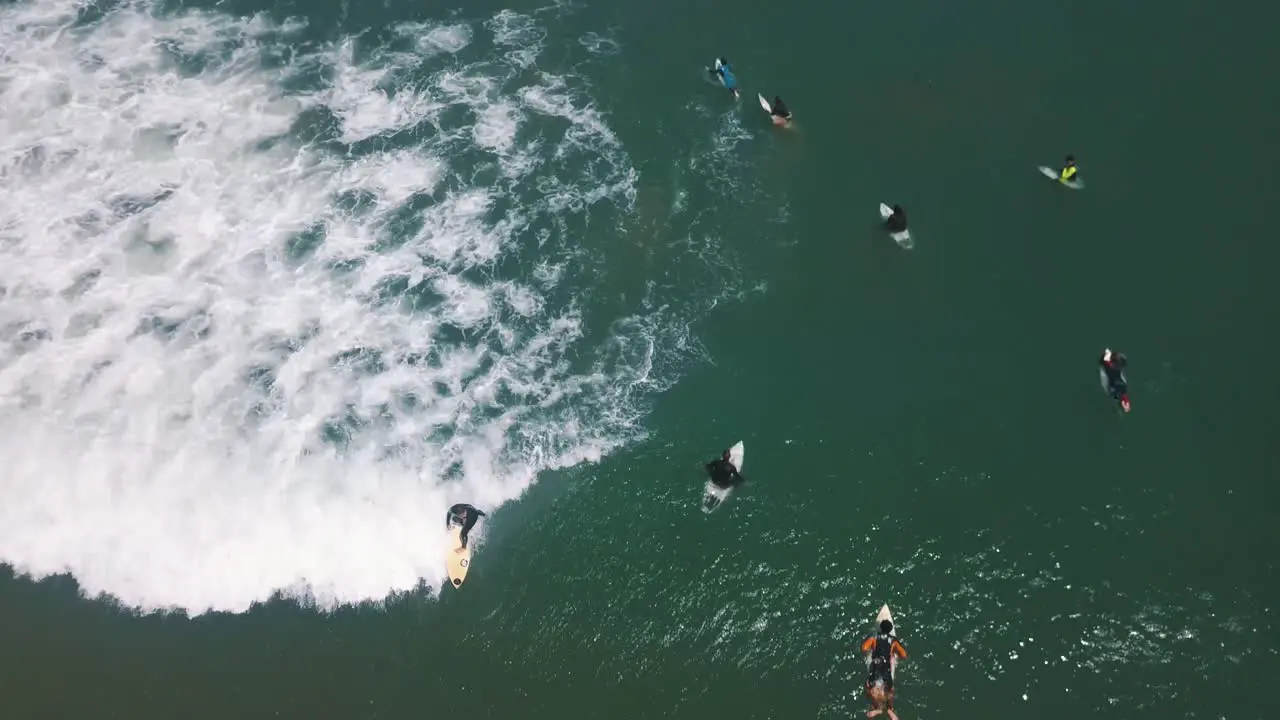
(726,75)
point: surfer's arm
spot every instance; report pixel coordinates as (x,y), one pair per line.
(899,649)
(737,478)
(868,645)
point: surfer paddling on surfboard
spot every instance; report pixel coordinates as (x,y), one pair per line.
(725,73)
(883,647)
(1113,365)
(723,473)
(466,516)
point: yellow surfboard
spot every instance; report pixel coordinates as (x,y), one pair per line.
(457,558)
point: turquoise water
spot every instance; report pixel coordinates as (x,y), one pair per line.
(283,282)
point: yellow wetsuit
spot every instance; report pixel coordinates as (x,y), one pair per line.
(1068,173)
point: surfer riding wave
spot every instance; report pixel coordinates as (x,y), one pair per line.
(883,647)
(465,515)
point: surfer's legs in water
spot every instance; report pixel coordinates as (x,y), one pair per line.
(881,697)
(879,689)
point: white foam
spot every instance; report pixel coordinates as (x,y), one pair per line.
(198,405)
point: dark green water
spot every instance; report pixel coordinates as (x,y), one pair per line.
(923,428)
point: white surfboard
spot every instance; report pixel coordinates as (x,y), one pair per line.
(1074,183)
(457,558)
(765,104)
(713,496)
(883,615)
(902,238)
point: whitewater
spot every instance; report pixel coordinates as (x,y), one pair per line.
(269,304)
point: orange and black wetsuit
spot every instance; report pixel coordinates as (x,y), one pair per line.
(882,648)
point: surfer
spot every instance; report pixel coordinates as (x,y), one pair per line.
(1068,172)
(882,647)
(897,222)
(725,73)
(1113,365)
(779,112)
(723,473)
(465,515)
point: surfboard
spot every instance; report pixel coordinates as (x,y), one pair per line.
(765,104)
(713,496)
(1074,184)
(902,238)
(885,614)
(881,616)
(457,558)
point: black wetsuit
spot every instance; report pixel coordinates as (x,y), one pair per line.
(455,517)
(780,108)
(897,222)
(723,473)
(881,669)
(1115,375)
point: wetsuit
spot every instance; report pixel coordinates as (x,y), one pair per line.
(1114,370)
(780,108)
(725,73)
(724,474)
(1067,174)
(897,222)
(466,516)
(882,648)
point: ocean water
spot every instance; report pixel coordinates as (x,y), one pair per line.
(280,283)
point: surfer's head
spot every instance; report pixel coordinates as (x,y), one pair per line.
(886,626)
(725,455)
(1071,159)
(897,209)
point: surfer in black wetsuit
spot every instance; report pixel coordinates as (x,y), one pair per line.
(466,516)
(897,222)
(882,647)
(779,112)
(1113,365)
(723,473)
